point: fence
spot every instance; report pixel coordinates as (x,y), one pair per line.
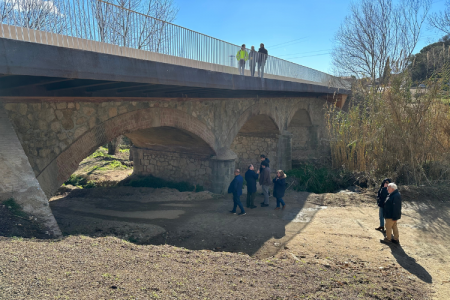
(99,21)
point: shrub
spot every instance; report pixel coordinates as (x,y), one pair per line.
(319,179)
(157,183)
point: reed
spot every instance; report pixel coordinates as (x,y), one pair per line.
(394,131)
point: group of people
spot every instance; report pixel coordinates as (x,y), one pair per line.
(390,210)
(251,177)
(254,57)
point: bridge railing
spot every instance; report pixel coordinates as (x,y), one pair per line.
(100,21)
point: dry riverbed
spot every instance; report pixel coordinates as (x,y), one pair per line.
(142,243)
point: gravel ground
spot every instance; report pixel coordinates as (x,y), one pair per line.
(110,268)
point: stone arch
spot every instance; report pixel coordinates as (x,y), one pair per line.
(251,112)
(256,132)
(68,160)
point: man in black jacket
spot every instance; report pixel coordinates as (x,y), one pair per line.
(262,57)
(250,177)
(265,182)
(392,213)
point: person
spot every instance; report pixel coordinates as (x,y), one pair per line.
(235,188)
(279,187)
(392,213)
(251,176)
(242,57)
(262,58)
(382,195)
(262,157)
(253,56)
(264,181)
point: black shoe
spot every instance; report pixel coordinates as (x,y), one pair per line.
(396,241)
(264,205)
(233,212)
(385,241)
(242,214)
(254,206)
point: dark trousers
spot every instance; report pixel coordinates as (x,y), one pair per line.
(237,202)
(251,199)
(280,201)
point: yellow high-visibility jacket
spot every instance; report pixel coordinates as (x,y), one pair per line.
(242,54)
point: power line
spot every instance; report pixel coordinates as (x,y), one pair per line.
(288,42)
(304,52)
(310,55)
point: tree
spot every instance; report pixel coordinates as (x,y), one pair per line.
(430,60)
(34,14)
(375,32)
(441,20)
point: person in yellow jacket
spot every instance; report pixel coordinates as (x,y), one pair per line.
(242,57)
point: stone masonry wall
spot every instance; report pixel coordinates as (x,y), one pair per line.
(57,135)
(195,169)
(249,148)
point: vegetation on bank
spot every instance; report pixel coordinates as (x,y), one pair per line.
(388,131)
(157,183)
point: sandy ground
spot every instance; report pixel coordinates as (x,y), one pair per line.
(339,234)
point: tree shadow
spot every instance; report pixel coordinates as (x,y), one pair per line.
(409,263)
(189,220)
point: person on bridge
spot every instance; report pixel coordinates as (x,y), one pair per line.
(381,197)
(262,58)
(235,188)
(392,213)
(265,182)
(253,55)
(242,57)
(279,187)
(251,176)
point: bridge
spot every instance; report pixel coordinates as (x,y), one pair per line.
(68,88)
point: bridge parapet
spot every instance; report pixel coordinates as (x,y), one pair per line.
(77,25)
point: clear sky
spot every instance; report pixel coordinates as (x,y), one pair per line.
(300,31)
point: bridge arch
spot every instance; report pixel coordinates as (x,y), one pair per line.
(66,163)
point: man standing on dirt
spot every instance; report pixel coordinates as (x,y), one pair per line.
(262,157)
(235,188)
(265,182)
(392,213)
(251,176)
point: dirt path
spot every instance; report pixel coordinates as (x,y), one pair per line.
(342,237)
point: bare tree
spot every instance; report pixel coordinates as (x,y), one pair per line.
(34,14)
(377,33)
(441,20)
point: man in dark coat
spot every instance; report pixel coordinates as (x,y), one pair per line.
(392,213)
(265,182)
(382,195)
(263,54)
(251,177)
(235,188)
(262,157)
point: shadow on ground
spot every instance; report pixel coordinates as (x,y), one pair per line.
(410,264)
(190,220)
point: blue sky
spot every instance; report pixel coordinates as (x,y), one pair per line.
(296,30)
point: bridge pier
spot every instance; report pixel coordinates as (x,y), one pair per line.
(284,151)
(18,180)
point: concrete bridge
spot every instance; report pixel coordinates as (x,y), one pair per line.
(188,120)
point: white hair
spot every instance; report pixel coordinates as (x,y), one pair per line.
(393,185)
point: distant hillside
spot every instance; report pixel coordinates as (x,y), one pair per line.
(430,59)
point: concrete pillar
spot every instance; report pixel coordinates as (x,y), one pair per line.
(223,166)
(284,151)
(17,179)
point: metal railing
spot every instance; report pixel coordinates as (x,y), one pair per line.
(99,21)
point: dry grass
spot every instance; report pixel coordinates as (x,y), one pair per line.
(391,132)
